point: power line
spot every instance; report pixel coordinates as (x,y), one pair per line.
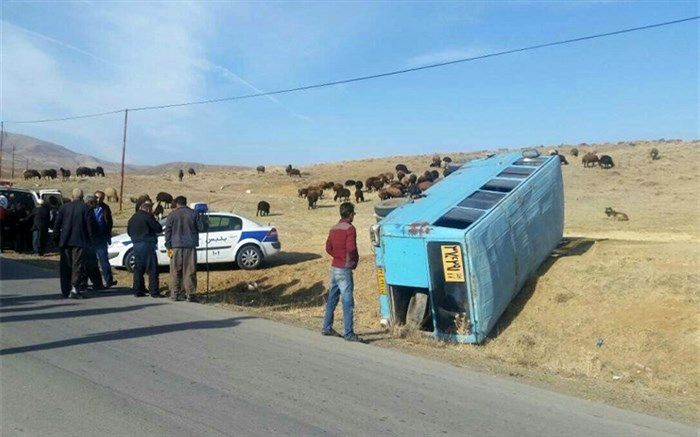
(373,76)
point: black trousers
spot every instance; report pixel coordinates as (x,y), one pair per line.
(91,270)
(71,269)
(146,261)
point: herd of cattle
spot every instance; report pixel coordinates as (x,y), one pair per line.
(65,173)
(402,183)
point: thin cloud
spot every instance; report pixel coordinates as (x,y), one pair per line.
(230,75)
(62,44)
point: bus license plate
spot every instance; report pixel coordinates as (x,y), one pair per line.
(452,263)
(381,281)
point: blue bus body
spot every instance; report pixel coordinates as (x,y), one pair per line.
(471,244)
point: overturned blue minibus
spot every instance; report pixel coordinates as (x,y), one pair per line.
(452,261)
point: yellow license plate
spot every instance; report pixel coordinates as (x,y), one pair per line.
(452,262)
(381,281)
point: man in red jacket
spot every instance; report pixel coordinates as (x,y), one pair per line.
(342,246)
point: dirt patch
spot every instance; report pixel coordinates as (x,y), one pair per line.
(613,318)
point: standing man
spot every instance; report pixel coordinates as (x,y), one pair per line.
(41,218)
(182,230)
(90,269)
(103,217)
(73,232)
(341,244)
(143,229)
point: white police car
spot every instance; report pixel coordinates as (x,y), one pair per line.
(231,238)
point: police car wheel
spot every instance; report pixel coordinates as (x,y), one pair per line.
(249,257)
(129,261)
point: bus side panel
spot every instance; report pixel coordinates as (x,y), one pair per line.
(508,246)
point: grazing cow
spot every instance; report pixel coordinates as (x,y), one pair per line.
(158,211)
(606,162)
(294,172)
(590,159)
(84,172)
(424,185)
(377,184)
(263,209)
(574,152)
(390,192)
(31,174)
(49,174)
(616,215)
(412,179)
(337,186)
(111,194)
(138,201)
(312,198)
(164,198)
(446,160)
(191,172)
(260,169)
(654,154)
(65,174)
(402,168)
(328,185)
(400,175)
(350,183)
(180,175)
(359,185)
(434,175)
(436,161)
(99,171)
(359,197)
(288,169)
(342,194)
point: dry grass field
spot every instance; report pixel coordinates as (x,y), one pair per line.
(632,284)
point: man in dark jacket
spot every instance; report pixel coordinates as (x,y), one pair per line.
(103,217)
(143,229)
(73,232)
(182,230)
(91,270)
(40,218)
(341,244)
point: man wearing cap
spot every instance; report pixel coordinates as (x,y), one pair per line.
(143,229)
(73,232)
(182,230)
(40,217)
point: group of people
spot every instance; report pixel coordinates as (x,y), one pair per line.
(82,230)
(182,228)
(24,228)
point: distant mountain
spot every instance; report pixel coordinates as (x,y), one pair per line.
(42,154)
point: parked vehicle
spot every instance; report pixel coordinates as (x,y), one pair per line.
(230,238)
(453,261)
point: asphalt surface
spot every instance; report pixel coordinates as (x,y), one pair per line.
(120,366)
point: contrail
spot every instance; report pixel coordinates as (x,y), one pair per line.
(63,44)
(231,75)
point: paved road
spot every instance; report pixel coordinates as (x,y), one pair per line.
(117,365)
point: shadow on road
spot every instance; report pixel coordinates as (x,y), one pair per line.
(125,334)
(35,308)
(7,300)
(72,314)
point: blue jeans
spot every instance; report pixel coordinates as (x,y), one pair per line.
(341,285)
(103,259)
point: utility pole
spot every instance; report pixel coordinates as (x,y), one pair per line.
(121,186)
(2,138)
(12,176)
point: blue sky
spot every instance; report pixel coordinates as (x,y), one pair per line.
(69,58)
